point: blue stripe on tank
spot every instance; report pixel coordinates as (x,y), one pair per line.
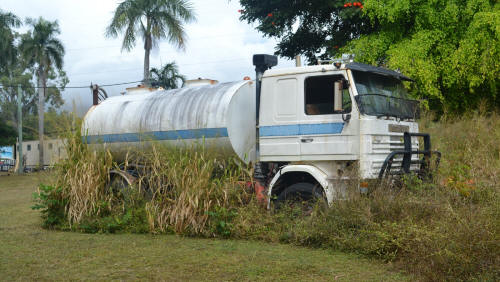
(157,135)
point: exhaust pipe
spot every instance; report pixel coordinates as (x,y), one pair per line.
(262,62)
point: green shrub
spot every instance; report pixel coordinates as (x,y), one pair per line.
(221,221)
(133,220)
(51,202)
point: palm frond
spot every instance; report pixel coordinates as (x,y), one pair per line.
(176,34)
(55,56)
(9,20)
(182,9)
(128,42)
(167,76)
(119,20)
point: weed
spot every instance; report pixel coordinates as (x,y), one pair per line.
(221,221)
(52,204)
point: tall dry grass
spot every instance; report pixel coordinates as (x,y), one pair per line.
(83,176)
(471,148)
(189,184)
(180,190)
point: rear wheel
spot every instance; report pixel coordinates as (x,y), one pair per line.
(301,195)
(125,186)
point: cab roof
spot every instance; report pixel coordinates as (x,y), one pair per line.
(330,67)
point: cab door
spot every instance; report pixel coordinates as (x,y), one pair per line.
(278,119)
(324,119)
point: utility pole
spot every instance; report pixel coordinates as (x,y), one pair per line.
(20,127)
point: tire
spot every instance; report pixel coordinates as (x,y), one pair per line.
(303,193)
(123,186)
(119,186)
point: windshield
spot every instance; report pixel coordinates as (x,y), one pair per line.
(380,95)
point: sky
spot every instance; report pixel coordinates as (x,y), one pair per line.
(219,45)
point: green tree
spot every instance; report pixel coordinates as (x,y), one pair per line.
(8,95)
(42,49)
(8,134)
(450,47)
(316,29)
(167,76)
(8,53)
(153,20)
(57,123)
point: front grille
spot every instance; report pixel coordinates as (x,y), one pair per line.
(383,145)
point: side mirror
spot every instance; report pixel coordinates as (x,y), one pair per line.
(346,117)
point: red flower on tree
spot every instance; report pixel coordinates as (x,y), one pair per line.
(355,4)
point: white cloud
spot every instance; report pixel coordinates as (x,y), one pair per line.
(219,45)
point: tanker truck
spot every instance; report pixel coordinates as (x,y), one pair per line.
(301,128)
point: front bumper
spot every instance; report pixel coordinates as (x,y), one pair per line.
(424,161)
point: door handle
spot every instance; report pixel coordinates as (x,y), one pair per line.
(306,140)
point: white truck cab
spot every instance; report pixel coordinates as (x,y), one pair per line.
(316,122)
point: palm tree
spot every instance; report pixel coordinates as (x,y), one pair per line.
(167,77)
(7,48)
(42,49)
(153,20)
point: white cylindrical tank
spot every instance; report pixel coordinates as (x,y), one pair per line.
(222,116)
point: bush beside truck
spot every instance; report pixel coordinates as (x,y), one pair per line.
(444,230)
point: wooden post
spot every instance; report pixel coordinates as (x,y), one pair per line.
(20,128)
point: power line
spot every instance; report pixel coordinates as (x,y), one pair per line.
(76,87)
(159,43)
(180,65)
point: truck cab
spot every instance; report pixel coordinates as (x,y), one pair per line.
(318,122)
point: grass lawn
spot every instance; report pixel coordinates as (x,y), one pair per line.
(28,252)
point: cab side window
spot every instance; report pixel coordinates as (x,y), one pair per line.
(320,98)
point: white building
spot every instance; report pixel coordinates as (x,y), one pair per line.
(54,151)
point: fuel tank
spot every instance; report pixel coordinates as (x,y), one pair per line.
(220,116)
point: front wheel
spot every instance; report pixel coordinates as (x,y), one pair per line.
(303,194)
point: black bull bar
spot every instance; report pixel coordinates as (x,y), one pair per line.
(425,162)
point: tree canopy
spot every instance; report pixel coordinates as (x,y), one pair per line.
(41,47)
(8,53)
(153,20)
(167,76)
(450,47)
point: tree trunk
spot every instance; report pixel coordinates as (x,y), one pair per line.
(146,66)
(41,111)
(148,44)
